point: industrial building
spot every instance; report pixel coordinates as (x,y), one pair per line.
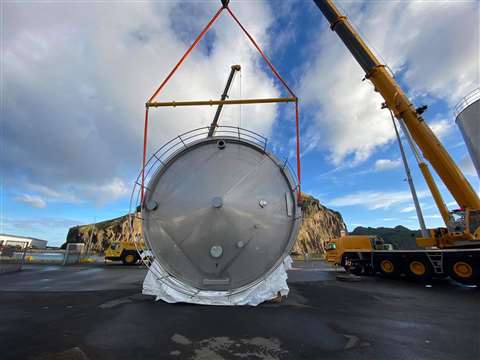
(22,241)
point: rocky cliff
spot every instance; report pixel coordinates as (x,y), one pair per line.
(97,237)
(319,224)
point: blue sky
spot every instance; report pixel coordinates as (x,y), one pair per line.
(75,77)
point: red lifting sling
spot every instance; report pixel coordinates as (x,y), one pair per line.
(292,98)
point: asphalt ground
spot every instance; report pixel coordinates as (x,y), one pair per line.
(97,312)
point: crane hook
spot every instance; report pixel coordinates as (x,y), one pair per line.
(225,3)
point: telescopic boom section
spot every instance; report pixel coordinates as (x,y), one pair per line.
(401,106)
(224,96)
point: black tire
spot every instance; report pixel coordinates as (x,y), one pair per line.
(388,266)
(418,268)
(464,270)
(130,258)
(355,267)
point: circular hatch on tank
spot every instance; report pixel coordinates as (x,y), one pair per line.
(220,213)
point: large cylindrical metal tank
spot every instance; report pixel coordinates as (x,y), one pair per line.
(468,120)
(220,213)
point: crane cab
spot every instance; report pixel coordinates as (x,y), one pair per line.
(124,251)
(344,249)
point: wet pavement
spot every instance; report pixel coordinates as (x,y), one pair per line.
(58,278)
(97,312)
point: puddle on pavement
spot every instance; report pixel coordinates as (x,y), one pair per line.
(222,348)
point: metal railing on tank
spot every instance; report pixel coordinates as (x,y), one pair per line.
(161,158)
(466,101)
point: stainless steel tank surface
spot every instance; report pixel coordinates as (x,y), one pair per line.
(220,214)
(468,120)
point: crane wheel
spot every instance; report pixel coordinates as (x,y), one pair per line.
(418,269)
(388,267)
(130,257)
(351,264)
(464,271)
(355,270)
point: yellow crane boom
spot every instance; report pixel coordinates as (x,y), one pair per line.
(397,101)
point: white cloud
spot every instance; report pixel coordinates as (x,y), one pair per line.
(412,208)
(390,219)
(51,195)
(452,204)
(427,52)
(100,193)
(387,164)
(107,192)
(32,200)
(39,223)
(430,216)
(53,229)
(346,111)
(375,199)
(408,209)
(441,127)
(350,124)
(467,167)
(86,71)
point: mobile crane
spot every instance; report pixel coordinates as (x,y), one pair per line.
(451,250)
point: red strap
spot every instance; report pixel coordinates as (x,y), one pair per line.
(197,40)
(262,53)
(145,134)
(164,82)
(269,63)
(297,133)
(297,127)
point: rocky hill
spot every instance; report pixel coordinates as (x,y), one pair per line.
(97,237)
(400,237)
(319,225)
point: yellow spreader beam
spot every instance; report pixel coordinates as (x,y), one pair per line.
(220,102)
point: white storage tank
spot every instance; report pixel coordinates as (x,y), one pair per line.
(468,120)
(220,213)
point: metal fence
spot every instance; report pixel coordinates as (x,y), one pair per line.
(12,258)
(73,253)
